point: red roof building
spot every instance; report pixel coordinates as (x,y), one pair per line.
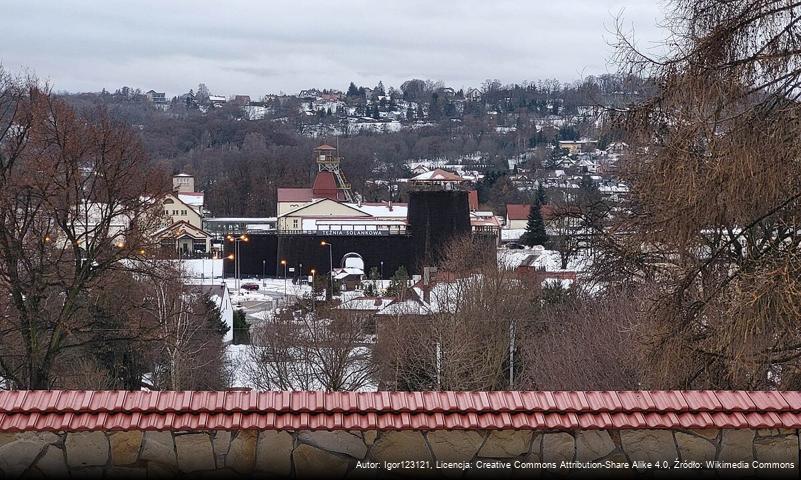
(517,211)
(325,186)
(542,410)
(295,195)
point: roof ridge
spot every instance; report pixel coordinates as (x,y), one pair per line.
(89,401)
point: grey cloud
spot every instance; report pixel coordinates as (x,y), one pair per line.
(254,47)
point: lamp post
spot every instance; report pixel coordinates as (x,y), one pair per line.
(263,270)
(229,257)
(283,262)
(330,263)
(382,269)
(237,241)
(312,292)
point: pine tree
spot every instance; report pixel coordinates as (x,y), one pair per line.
(535,228)
(541,198)
(353,91)
(214,318)
(399,283)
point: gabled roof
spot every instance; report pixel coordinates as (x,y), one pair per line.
(342,273)
(517,211)
(520,211)
(86,410)
(182,229)
(193,199)
(325,146)
(437,175)
(350,207)
(184,200)
(409,306)
(295,195)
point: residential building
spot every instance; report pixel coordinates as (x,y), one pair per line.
(516,216)
(217,100)
(575,147)
(183,214)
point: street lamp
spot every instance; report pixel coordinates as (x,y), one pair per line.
(312,292)
(237,241)
(263,270)
(382,269)
(330,263)
(283,262)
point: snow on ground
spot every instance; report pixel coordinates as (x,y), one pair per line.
(270,290)
(508,234)
(202,267)
(539,257)
(239,359)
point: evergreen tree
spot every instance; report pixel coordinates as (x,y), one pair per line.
(214,318)
(399,283)
(434,108)
(241,328)
(353,91)
(541,198)
(409,113)
(535,228)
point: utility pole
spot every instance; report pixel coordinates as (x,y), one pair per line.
(511,355)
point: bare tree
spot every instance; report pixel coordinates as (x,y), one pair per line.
(584,342)
(188,349)
(76,203)
(713,217)
(461,333)
(298,349)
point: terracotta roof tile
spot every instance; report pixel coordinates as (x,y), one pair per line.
(565,410)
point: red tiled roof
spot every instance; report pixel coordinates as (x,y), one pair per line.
(121,410)
(325,146)
(295,194)
(517,211)
(520,211)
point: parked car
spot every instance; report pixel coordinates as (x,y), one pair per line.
(252,287)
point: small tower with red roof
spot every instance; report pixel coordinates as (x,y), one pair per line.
(330,180)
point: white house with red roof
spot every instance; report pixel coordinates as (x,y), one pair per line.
(183,218)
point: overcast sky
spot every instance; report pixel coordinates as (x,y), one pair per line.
(258,46)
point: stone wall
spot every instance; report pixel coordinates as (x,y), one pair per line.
(338,454)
